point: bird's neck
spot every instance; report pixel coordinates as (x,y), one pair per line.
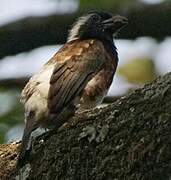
(111,48)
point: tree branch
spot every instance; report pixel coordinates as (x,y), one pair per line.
(32,32)
(14,82)
(129,139)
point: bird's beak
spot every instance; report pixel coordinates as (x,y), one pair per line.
(115,23)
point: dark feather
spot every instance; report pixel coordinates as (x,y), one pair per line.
(70,78)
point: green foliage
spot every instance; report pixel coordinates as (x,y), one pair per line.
(138,70)
(14,116)
(13,111)
(3,129)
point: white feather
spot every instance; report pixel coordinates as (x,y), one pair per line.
(74,32)
(40,85)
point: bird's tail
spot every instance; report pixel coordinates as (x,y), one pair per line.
(24,149)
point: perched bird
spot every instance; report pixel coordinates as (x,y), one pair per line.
(77,77)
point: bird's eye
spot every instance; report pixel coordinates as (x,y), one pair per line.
(95,18)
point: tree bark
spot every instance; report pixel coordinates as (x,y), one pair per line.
(14,82)
(32,32)
(129,139)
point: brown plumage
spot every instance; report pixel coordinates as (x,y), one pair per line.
(77,77)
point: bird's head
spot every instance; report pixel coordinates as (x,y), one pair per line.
(98,25)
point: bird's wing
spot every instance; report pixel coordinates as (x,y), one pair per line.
(70,76)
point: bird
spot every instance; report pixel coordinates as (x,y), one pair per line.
(76,78)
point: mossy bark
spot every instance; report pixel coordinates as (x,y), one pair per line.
(129,139)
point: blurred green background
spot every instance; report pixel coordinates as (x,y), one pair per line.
(31,31)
